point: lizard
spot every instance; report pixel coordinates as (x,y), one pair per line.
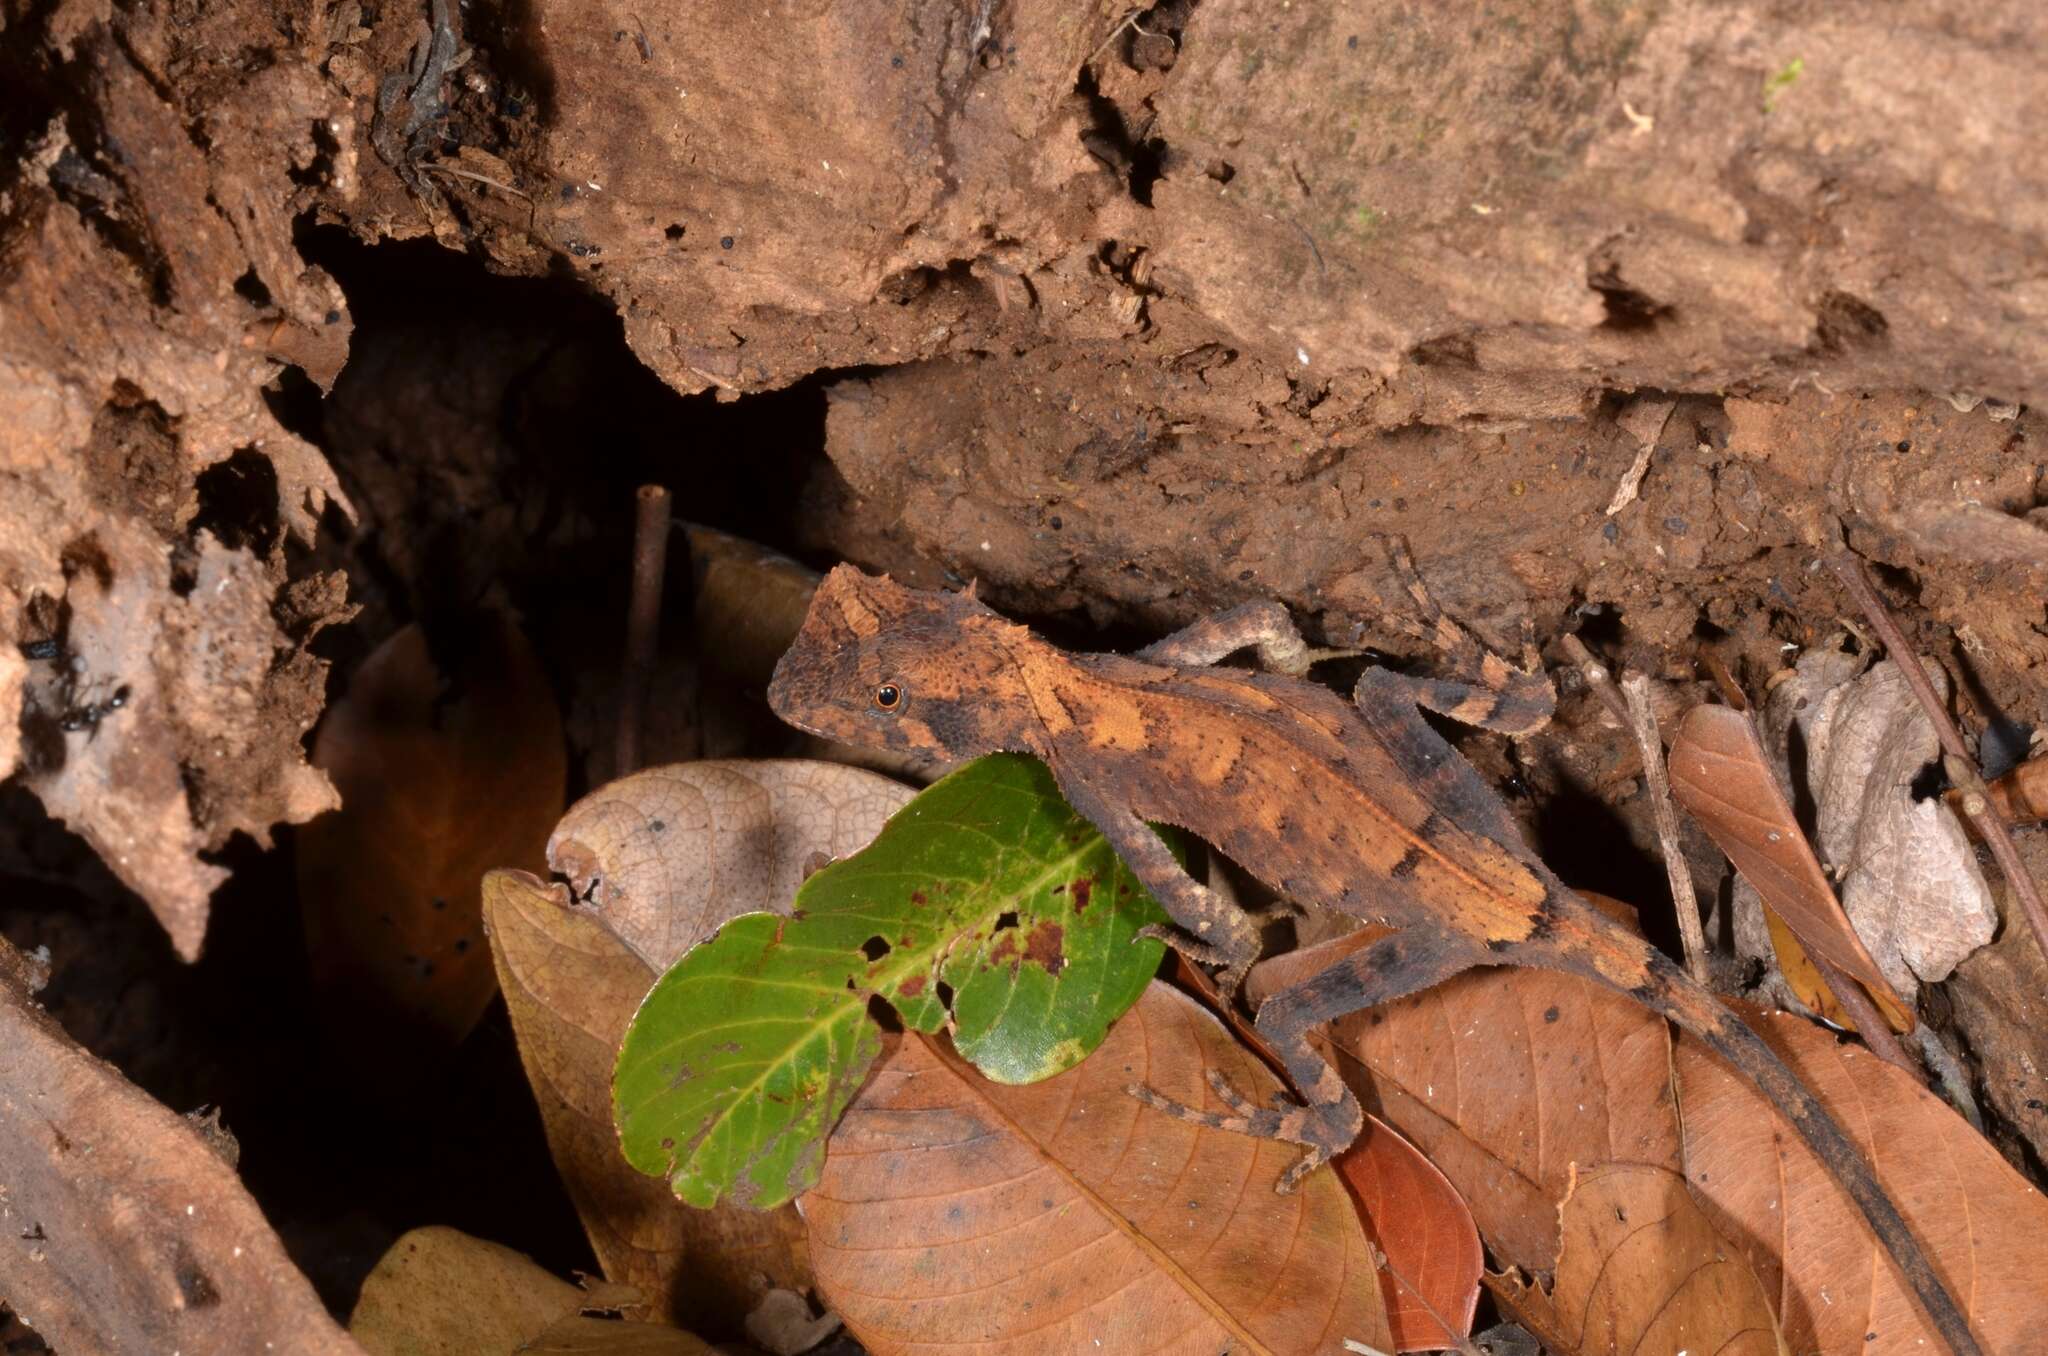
(1361,806)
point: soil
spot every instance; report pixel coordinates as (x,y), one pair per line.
(1619,314)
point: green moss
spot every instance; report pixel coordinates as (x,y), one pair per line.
(1783,79)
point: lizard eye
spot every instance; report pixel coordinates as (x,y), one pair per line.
(888,697)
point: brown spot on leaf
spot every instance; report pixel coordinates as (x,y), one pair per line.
(912,987)
(1082,889)
(1046,944)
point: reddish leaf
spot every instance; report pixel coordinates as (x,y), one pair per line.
(1721,777)
(443,777)
(1431,1258)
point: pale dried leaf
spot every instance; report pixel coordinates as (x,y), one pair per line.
(1835,1290)
(783,1323)
(1063,1214)
(571,988)
(670,853)
(1912,886)
(1642,1270)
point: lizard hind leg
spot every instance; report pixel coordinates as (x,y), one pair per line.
(1327,1117)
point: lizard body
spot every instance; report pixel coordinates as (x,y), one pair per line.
(1361,807)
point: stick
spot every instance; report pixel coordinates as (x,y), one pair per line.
(1686,904)
(1863,1015)
(1977,804)
(643,621)
(1595,674)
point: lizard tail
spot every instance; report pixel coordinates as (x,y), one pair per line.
(1580,941)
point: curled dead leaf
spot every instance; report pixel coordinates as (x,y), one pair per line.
(1719,773)
(571,988)
(668,854)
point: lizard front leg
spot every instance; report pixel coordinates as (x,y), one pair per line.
(1328,1117)
(1209,929)
(1264,626)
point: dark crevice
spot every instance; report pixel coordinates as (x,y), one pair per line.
(1844,322)
(1627,308)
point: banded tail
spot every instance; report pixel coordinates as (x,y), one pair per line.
(1584,942)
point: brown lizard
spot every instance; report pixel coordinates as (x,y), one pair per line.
(1361,807)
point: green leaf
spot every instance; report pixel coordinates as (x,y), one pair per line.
(986,901)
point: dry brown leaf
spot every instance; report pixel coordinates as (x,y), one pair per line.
(588,1335)
(1506,1079)
(1431,1256)
(1835,1290)
(121,1228)
(1642,1271)
(1720,775)
(443,778)
(1066,1214)
(571,987)
(669,854)
(440,1292)
(750,601)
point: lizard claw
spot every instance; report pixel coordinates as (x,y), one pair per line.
(1234,957)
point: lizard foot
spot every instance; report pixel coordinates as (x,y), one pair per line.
(1323,1130)
(1232,957)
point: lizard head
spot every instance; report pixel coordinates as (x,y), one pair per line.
(880,664)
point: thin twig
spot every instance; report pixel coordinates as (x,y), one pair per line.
(1961,767)
(643,621)
(1863,1014)
(1595,674)
(1686,904)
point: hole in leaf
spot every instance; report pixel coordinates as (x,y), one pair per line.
(945,993)
(1006,920)
(874,948)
